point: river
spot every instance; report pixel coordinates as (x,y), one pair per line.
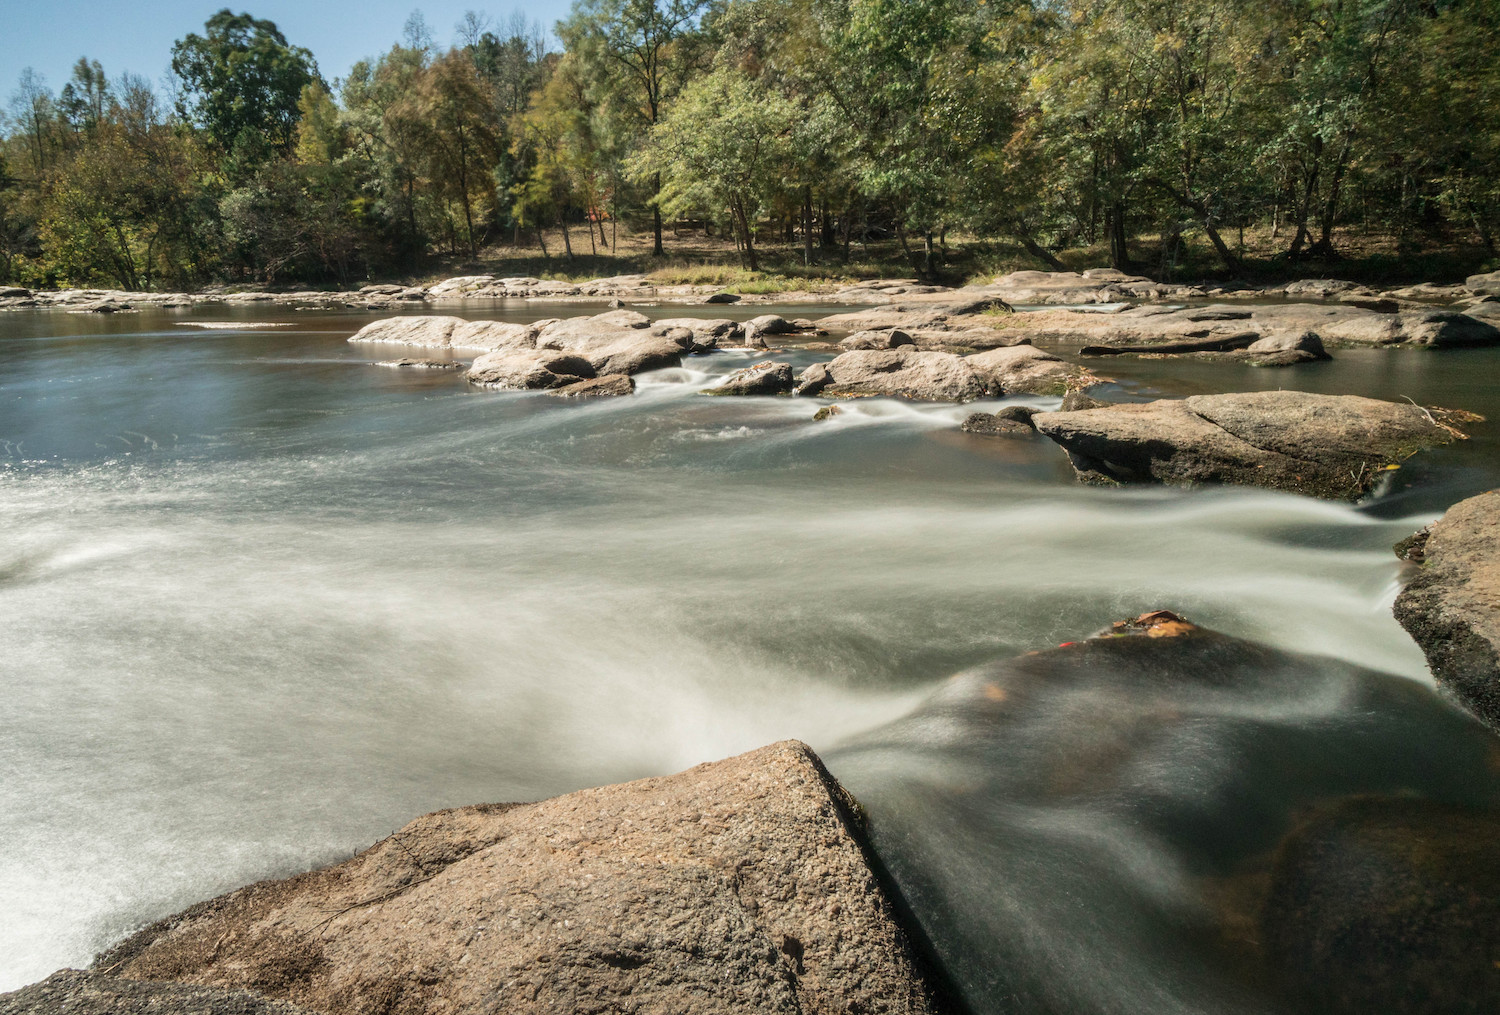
(265,600)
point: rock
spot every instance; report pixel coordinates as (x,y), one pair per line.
(10,292)
(422,364)
(616,304)
(827,412)
(1076,401)
(75,992)
(993,425)
(1333,446)
(1389,904)
(1487,284)
(722,298)
(1452,606)
(739,886)
(907,372)
(891,339)
(1323,288)
(1443,329)
(617,342)
(487,336)
(1284,349)
(429,331)
(597,387)
(529,368)
(753,338)
(1233,326)
(1379,304)
(761,379)
(706,333)
(772,324)
(451,287)
(1022,369)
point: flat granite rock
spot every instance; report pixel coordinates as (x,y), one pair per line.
(1452,607)
(738,886)
(1333,446)
(75,992)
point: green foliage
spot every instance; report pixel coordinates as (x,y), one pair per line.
(241,82)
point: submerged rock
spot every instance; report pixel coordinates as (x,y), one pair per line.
(1093,829)
(1333,446)
(597,387)
(422,364)
(995,425)
(738,886)
(1452,606)
(761,379)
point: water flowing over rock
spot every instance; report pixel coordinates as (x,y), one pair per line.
(738,886)
(1452,606)
(1120,824)
(760,379)
(1333,446)
(597,387)
(906,372)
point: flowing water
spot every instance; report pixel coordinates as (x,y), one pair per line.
(265,601)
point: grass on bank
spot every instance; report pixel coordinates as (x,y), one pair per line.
(695,259)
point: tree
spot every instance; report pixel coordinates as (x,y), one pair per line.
(241,83)
(646,52)
(728,136)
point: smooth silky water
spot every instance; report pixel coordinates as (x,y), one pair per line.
(265,601)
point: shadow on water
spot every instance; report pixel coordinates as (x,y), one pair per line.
(1187,824)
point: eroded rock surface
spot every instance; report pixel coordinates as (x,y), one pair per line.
(529,369)
(75,992)
(1333,446)
(905,372)
(1023,370)
(761,379)
(733,887)
(1452,606)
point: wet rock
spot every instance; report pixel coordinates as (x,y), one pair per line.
(1389,904)
(994,425)
(722,298)
(1022,369)
(529,368)
(905,372)
(429,331)
(1017,413)
(739,886)
(1379,304)
(767,378)
(422,364)
(616,304)
(1452,605)
(1284,349)
(597,387)
(827,412)
(75,992)
(707,333)
(891,339)
(1333,446)
(10,292)
(1076,401)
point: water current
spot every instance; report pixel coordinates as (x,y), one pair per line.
(264,601)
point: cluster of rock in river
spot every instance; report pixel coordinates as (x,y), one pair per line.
(749,884)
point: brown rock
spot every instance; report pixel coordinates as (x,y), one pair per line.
(1452,607)
(75,992)
(1022,370)
(529,368)
(1324,445)
(907,372)
(597,387)
(766,378)
(736,886)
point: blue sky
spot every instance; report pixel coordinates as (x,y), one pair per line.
(50,35)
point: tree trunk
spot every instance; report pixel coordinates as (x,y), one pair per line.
(807,226)
(1119,253)
(658,250)
(825,222)
(562,220)
(1039,252)
(541,241)
(911,257)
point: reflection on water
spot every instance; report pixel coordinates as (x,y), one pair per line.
(266,601)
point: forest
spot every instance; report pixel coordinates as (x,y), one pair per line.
(1173,137)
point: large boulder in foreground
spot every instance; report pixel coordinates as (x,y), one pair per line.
(1452,607)
(904,371)
(529,368)
(75,992)
(1023,370)
(738,886)
(1333,446)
